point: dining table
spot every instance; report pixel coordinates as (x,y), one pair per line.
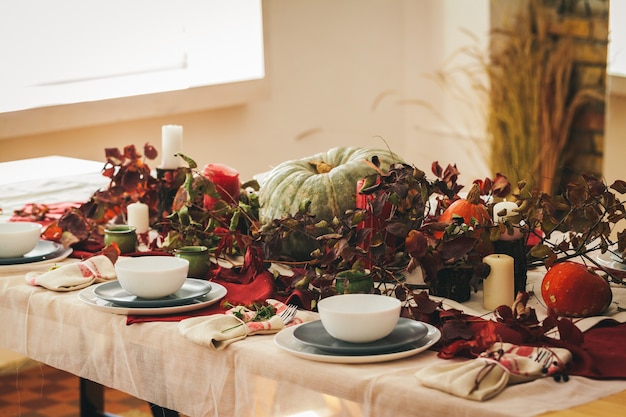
(262,374)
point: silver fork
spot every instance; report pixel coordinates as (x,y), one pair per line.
(289,313)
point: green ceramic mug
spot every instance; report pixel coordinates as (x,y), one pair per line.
(198,257)
(124,235)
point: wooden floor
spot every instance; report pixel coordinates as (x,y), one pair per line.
(43,391)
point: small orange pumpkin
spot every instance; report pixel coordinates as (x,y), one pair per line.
(570,289)
(469,208)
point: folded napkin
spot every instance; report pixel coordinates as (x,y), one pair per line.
(74,276)
(502,365)
(220,330)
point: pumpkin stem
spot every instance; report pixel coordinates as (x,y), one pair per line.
(321,167)
(473,196)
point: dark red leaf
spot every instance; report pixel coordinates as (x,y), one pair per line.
(436,169)
(457,248)
(569,332)
(150,151)
(501,186)
(114,156)
(130,180)
(619,186)
(456,329)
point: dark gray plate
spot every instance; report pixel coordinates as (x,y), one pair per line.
(407,331)
(191,289)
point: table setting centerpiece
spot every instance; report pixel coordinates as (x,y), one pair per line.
(427,225)
(405,222)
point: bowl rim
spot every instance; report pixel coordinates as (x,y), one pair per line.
(174,262)
(394,303)
(19,227)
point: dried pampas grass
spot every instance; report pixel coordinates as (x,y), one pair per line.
(532,100)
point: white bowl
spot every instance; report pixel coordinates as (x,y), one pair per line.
(359,318)
(152,276)
(18,238)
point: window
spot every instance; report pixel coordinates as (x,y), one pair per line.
(72,51)
(617,39)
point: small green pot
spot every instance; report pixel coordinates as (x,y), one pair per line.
(124,235)
(354,282)
(198,257)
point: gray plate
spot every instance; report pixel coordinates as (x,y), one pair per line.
(407,331)
(286,341)
(191,289)
(44,250)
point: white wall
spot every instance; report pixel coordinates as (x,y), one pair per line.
(445,121)
(338,74)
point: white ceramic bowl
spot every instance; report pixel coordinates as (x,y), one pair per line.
(18,238)
(152,276)
(359,318)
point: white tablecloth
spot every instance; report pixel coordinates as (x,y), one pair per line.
(252,377)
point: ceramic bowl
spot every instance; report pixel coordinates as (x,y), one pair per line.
(152,276)
(18,238)
(359,318)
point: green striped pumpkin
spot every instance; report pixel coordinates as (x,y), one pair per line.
(327,179)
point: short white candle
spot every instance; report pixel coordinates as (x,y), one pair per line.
(499,286)
(139,216)
(508,209)
(172,143)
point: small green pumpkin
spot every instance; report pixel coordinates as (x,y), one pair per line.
(327,179)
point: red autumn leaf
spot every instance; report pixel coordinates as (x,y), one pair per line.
(504,314)
(416,244)
(501,186)
(436,169)
(53,232)
(425,304)
(150,151)
(114,156)
(483,185)
(458,348)
(130,152)
(108,170)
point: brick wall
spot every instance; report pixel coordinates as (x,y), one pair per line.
(587,23)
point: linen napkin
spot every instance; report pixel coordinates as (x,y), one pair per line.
(221,330)
(74,276)
(502,365)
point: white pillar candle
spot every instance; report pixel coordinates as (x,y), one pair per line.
(139,216)
(172,143)
(499,286)
(508,209)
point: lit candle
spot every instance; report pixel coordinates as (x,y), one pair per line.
(139,216)
(226,180)
(172,143)
(498,287)
(508,210)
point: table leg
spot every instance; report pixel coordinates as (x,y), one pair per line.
(92,399)
(158,411)
(92,402)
